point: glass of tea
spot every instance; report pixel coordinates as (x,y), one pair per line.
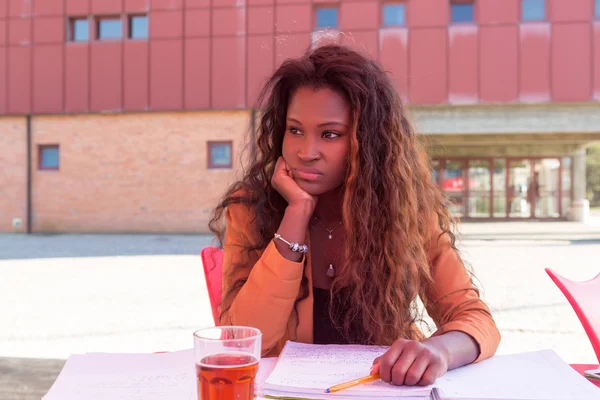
(227,362)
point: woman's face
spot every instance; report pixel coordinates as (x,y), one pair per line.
(317,139)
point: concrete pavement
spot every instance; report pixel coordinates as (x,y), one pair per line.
(65,294)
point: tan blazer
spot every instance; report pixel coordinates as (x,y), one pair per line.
(267,298)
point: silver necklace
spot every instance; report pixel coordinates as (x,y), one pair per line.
(327,229)
(330,270)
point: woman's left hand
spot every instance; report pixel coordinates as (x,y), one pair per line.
(408,362)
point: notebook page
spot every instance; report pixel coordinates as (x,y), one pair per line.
(309,368)
(540,375)
(97,376)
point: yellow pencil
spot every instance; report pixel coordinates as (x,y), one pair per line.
(353,383)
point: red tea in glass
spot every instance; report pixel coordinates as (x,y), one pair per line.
(226,376)
(227,362)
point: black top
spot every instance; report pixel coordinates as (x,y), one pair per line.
(324,330)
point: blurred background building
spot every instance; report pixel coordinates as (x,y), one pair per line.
(130,115)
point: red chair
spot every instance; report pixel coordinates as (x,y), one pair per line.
(212,261)
(584,297)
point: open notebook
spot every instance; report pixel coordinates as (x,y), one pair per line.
(305,371)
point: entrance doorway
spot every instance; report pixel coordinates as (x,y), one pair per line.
(505,188)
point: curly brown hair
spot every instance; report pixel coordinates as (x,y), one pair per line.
(389,201)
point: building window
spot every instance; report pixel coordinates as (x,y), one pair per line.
(327,18)
(109,28)
(394,15)
(462,12)
(79,30)
(533,10)
(219,155)
(138,27)
(48,157)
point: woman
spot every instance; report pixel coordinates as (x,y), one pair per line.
(338,172)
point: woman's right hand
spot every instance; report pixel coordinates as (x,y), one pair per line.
(283,181)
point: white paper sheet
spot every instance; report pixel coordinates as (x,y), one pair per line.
(539,375)
(100,376)
(305,369)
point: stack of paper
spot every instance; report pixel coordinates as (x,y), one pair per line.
(100,376)
(305,371)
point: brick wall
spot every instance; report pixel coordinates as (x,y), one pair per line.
(13,173)
(131,172)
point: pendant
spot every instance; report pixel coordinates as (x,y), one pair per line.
(330,236)
(330,271)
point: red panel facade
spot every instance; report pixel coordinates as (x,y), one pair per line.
(48,78)
(571,62)
(3,82)
(201,3)
(48,7)
(293,18)
(228,72)
(261,20)
(228,21)
(19,80)
(499,63)
(77,7)
(393,55)
(571,10)
(49,30)
(290,46)
(166,81)
(534,63)
(3,25)
(202,53)
(428,55)
(106,76)
(135,76)
(493,12)
(228,3)
(359,15)
(167,4)
(364,41)
(197,23)
(197,74)
(19,8)
(166,24)
(77,78)
(107,7)
(19,32)
(137,6)
(463,64)
(292,1)
(428,13)
(261,64)
(596,61)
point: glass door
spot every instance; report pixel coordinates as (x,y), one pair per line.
(518,191)
(566,185)
(544,188)
(478,189)
(453,186)
(499,181)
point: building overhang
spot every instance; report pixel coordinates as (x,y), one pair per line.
(506,119)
